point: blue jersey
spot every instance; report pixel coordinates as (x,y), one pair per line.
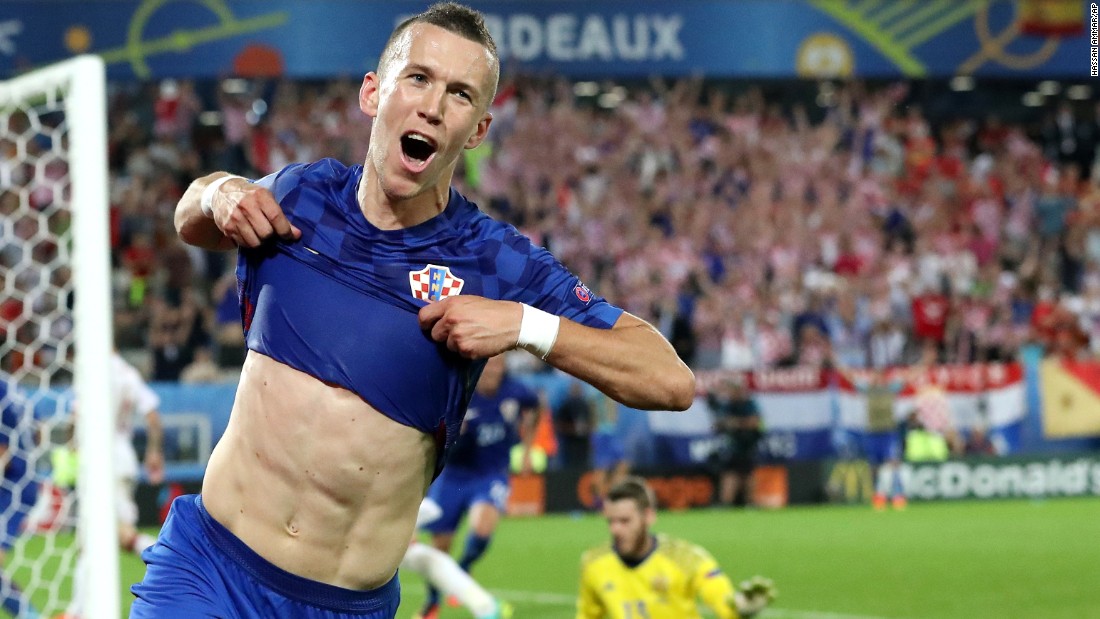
(16,437)
(491,429)
(341,303)
(19,489)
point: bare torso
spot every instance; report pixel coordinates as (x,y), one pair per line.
(314,479)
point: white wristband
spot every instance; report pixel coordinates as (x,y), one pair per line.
(207,200)
(538,330)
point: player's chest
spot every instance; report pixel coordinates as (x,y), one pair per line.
(431,279)
(649,594)
(422,267)
(502,409)
(430,274)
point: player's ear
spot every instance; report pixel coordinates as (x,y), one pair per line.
(480,131)
(650,517)
(368,94)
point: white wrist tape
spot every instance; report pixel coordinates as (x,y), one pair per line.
(538,330)
(207,201)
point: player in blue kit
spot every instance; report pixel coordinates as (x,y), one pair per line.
(370,297)
(18,490)
(502,411)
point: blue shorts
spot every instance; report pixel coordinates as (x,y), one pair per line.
(198,568)
(607,450)
(879,447)
(456,492)
(13,512)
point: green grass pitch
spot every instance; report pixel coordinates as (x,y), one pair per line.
(966,560)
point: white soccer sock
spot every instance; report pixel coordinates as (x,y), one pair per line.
(442,572)
(884,482)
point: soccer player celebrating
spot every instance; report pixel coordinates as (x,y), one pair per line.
(370,298)
(476,480)
(655,576)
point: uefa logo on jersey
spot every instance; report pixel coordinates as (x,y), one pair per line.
(434,283)
(583,293)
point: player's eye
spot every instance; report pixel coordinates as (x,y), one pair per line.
(419,77)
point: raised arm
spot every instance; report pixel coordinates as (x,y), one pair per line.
(631,362)
(238,213)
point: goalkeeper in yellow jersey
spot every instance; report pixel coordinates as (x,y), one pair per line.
(642,575)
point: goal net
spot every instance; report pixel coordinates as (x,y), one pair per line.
(57,511)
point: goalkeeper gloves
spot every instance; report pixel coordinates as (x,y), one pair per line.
(753,595)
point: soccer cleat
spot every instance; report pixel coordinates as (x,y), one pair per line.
(900,503)
(430,611)
(879,502)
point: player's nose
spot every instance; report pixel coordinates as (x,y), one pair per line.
(430,106)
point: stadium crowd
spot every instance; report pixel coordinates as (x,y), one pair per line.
(754,234)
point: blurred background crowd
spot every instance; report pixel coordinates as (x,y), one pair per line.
(756,232)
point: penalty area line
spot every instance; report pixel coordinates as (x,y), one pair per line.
(564,599)
(790,613)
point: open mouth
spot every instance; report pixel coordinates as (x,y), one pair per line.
(417,149)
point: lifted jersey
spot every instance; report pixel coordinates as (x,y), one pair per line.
(341,303)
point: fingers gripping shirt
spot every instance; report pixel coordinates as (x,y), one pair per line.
(341,303)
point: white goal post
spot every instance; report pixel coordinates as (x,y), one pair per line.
(53,173)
